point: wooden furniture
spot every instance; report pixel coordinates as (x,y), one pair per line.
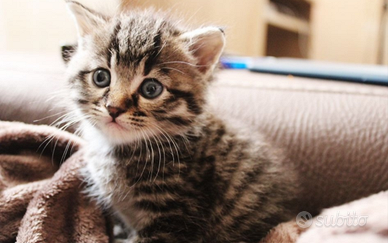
(339,31)
(347,30)
(330,30)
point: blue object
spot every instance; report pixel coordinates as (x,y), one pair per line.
(371,74)
(230,62)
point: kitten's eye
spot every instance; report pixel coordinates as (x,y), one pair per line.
(151,88)
(101,78)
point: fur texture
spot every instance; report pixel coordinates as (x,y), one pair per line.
(171,170)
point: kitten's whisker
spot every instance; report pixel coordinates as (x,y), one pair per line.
(65,121)
(146,160)
(161,48)
(178,62)
(47,141)
(53,152)
(173,142)
(156,139)
(152,159)
(138,160)
(55,94)
(60,119)
(137,144)
(164,155)
(169,140)
(65,152)
(77,133)
(47,117)
(67,125)
(185,141)
(72,122)
(174,69)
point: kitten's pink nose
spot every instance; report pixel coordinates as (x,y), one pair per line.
(114,112)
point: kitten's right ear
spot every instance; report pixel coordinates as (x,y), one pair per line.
(206,45)
(86,19)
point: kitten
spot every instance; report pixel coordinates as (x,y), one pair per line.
(157,156)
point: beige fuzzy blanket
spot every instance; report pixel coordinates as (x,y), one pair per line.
(41,197)
(40,190)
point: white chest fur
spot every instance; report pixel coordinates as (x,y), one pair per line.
(107,182)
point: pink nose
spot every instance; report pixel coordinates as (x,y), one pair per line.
(114,112)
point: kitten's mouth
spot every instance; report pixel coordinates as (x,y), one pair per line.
(115,124)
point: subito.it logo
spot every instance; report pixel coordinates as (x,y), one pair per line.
(304,219)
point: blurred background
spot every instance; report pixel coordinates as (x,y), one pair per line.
(351,31)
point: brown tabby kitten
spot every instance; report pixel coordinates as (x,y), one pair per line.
(157,156)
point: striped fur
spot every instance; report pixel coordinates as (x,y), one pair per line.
(171,170)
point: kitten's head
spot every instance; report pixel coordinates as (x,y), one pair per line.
(137,74)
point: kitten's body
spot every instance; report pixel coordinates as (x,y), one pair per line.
(219,186)
(165,164)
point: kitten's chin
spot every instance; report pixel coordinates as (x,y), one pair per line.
(113,126)
(116,133)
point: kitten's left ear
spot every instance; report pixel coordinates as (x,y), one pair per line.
(67,52)
(86,19)
(207,45)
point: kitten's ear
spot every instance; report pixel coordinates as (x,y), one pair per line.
(67,52)
(86,19)
(207,45)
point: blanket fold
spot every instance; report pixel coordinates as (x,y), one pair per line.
(41,197)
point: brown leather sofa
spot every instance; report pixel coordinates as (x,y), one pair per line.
(336,133)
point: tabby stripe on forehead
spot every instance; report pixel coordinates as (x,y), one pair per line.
(114,45)
(189,98)
(153,54)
